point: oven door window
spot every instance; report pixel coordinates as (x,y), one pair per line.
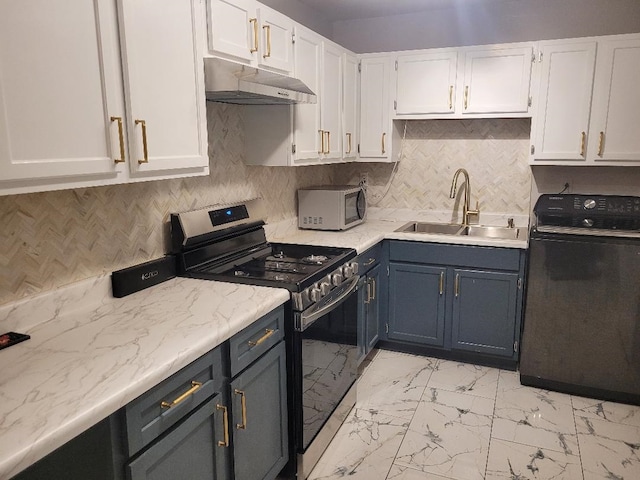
(354,207)
(329,365)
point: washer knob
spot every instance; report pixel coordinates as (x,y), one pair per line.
(589,204)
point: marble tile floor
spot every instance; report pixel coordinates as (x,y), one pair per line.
(421,418)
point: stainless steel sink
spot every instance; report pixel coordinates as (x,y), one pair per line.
(506,233)
(434,228)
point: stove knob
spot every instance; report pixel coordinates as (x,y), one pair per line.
(587,222)
(336,279)
(347,271)
(315,293)
(589,204)
(325,288)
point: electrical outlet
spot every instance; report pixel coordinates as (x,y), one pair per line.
(364,179)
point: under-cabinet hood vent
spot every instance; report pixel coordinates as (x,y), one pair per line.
(229,82)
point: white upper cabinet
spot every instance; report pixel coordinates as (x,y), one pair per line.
(164,85)
(375,108)
(426,83)
(496,80)
(615,119)
(68,120)
(587,110)
(331,101)
(247,31)
(60,83)
(563,101)
(350,106)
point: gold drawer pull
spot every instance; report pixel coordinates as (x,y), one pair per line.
(243,403)
(383,147)
(328,142)
(368,300)
(267,28)
(457,285)
(143,124)
(441,283)
(255,35)
(373,289)
(121,138)
(601,144)
(194,387)
(267,333)
(348,142)
(583,143)
(466,96)
(450,97)
(321,151)
(225,422)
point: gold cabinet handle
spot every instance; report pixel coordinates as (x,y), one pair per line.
(601,145)
(450,97)
(368,300)
(466,96)
(457,285)
(583,143)
(243,403)
(370,262)
(194,387)
(373,289)
(267,333)
(383,138)
(121,138)
(255,35)
(328,142)
(441,283)
(348,142)
(321,151)
(225,423)
(145,151)
(267,29)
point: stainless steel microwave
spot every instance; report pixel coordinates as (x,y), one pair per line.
(331,207)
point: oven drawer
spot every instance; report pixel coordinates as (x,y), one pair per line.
(249,344)
(152,413)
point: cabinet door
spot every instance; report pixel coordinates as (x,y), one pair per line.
(426,83)
(616,102)
(563,102)
(233,28)
(484,311)
(164,79)
(260,440)
(276,40)
(416,303)
(306,121)
(497,81)
(60,83)
(350,106)
(374,107)
(195,449)
(331,107)
(373,308)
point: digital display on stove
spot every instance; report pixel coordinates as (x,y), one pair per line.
(228,215)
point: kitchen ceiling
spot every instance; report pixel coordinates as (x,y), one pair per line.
(335,10)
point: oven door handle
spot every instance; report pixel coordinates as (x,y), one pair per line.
(328,303)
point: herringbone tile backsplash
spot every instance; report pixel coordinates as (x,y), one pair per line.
(54,238)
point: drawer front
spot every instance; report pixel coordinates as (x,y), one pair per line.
(495,258)
(369,259)
(155,411)
(249,344)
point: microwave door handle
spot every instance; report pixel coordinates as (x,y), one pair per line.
(306,319)
(361,195)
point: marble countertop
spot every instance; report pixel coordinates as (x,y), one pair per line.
(90,354)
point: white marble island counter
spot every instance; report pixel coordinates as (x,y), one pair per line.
(90,354)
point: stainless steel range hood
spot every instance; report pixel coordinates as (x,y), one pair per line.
(230,82)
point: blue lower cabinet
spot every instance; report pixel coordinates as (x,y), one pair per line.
(260,429)
(416,304)
(484,312)
(195,449)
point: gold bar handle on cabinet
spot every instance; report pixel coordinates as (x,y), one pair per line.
(349,142)
(583,143)
(267,28)
(145,151)
(384,134)
(456,288)
(321,132)
(243,403)
(368,300)
(373,289)
(328,142)
(466,96)
(225,422)
(194,387)
(600,144)
(267,333)
(255,35)
(121,138)
(450,97)
(441,283)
